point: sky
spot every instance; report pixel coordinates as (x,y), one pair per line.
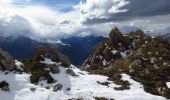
(55,19)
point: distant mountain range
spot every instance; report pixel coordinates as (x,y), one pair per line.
(76,48)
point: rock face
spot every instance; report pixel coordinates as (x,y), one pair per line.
(146,59)
(6,61)
(117,47)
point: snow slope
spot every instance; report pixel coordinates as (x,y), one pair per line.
(82,86)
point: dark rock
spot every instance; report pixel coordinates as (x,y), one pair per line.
(4,86)
(71,72)
(103,83)
(40,52)
(57,87)
(47,87)
(32,89)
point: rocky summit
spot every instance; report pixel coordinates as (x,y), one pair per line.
(146,59)
(132,66)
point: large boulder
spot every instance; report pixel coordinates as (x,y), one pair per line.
(6,61)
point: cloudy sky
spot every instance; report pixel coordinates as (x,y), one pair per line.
(53,19)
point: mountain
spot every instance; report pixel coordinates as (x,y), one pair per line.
(145,59)
(166,36)
(76,48)
(79,48)
(43,78)
(19,47)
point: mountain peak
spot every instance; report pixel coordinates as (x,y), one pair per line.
(145,59)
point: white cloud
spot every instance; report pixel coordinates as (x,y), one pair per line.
(36,21)
(40,22)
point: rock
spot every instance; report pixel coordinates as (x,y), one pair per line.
(58,57)
(4,86)
(135,64)
(32,89)
(47,87)
(57,87)
(40,52)
(42,78)
(53,68)
(115,36)
(6,61)
(71,72)
(147,60)
(103,83)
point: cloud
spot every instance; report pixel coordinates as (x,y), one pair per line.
(38,22)
(99,11)
(96,17)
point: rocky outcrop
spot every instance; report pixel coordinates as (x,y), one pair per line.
(116,47)
(6,61)
(40,67)
(145,59)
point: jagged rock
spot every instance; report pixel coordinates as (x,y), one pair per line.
(116,42)
(115,36)
(40,52)
(6,61)
(57,87)
(147,60)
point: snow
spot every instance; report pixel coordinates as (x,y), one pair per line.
(82,86)
(168,84)
(18,64)
(47,61)
(123,54)
(104,62)
(114,52)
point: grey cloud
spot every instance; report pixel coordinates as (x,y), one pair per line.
(135,8)
(65,22)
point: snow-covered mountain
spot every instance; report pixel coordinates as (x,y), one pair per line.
(134,66)
(146,59)
(69,83)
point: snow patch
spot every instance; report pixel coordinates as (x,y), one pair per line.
(114,51)
(168,84)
